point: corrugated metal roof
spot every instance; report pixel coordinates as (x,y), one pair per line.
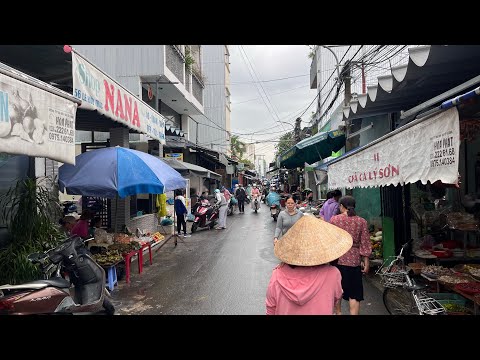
(430,70)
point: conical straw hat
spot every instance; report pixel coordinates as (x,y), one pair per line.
(311,241)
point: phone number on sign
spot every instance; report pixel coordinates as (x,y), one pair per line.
(61,138)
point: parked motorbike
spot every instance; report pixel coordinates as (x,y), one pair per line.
(84,292)
(274,211)
(205,216)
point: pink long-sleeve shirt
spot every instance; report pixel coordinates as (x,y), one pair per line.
(303,290)
(358,228)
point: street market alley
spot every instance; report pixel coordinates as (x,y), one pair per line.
(214,272)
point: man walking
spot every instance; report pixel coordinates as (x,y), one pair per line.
(240,194)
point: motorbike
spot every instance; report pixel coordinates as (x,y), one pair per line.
(205,216)
(274,211)
(83,292)
(255,203)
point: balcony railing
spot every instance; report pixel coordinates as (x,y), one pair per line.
(175,61)
(197,88)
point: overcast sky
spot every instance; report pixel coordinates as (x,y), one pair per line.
(287,98)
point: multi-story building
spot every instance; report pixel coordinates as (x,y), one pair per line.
(167,77)
(212,129)
(249,153)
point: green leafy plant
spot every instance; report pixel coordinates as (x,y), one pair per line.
(189,60)
(31,211)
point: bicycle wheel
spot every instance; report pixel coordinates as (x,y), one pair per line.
(399,301)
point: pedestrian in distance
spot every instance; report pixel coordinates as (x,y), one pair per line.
(286,218)
(181,212)
(331,206)
(304,283)
(241,195)
(67,223)
(356,260)
(82,225)
(221,202)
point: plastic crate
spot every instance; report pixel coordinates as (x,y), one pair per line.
(449,298)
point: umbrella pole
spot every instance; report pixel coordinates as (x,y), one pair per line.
(116,214)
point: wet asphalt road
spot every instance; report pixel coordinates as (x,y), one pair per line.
(214,272)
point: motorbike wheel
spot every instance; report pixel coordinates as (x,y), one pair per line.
(212,225)
(194,227)
(108,306)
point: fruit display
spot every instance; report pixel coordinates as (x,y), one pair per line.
(109,258)
(125,248)
(158,237)
(376,240)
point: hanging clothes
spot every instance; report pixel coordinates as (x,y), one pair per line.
(161,205)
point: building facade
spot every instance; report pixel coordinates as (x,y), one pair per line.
(213,130)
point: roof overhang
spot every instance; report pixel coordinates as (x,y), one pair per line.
(431,70)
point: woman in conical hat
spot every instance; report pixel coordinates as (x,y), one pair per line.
(305,283)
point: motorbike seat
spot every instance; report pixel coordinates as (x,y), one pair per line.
(57,282)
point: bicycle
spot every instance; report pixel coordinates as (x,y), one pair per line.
(402,295)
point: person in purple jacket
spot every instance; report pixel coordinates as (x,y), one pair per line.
(331,206)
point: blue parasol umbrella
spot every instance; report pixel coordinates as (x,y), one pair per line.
(118,171)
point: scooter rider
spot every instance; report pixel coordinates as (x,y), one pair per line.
(255,195)
(273,197)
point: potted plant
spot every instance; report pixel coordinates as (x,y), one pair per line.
(31,211)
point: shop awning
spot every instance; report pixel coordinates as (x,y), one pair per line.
(313,149)
(186,168)
(425,149)
(431,70)
(36,119)
(101,93)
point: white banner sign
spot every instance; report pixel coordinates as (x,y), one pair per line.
(427,151)
(36,122)
(100,92)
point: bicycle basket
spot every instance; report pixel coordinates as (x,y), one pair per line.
(392,272)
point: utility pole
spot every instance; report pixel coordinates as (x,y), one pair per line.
(347,97)
(297,130)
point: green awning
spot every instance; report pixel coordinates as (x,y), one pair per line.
(313,149)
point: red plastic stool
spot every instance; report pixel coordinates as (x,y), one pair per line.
(140,256)
(127,263)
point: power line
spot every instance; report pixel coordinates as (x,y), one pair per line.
(281,92)
(252,72)
(259,81)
